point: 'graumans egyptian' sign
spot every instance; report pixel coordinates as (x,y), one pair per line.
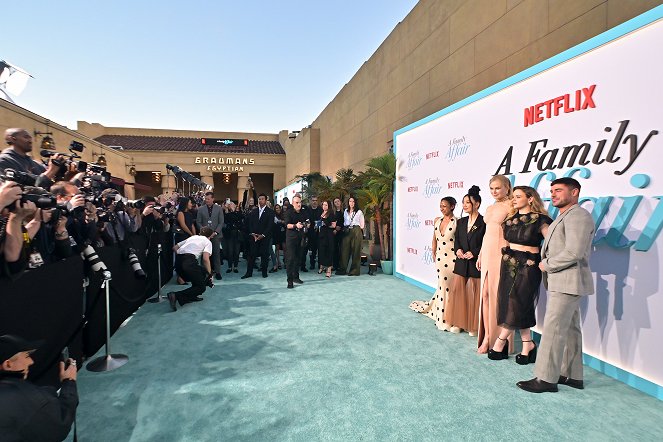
(225,164)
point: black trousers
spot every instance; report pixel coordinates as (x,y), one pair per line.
(303,251)
(293,253)
(313,245)
(231,247)
(191,271)
(338,241)
(258,249)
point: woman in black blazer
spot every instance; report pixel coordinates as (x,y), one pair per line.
(462,310)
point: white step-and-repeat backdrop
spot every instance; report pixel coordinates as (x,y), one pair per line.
(595,113)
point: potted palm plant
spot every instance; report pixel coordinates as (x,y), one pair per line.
(377,194)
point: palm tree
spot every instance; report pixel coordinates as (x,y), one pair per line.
(316,184)
(379,176)
(346,184)
(369,198)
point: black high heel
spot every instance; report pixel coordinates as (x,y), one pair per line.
(499,355)
(530,358)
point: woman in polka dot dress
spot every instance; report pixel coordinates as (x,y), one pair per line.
(443,247)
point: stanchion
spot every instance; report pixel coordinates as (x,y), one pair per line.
(109,361)
(159,297)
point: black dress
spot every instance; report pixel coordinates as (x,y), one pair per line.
(520,276)
(326,242)
(180,234)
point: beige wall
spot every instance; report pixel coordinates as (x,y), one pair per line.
(15,116)
(94,130)
(302,153)
(443,52)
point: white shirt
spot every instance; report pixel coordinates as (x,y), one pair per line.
(357,220)
(195,245)
(260,210)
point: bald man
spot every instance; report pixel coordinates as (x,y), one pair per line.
(16,156)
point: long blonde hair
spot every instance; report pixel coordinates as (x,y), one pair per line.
(537,204)
(505,182)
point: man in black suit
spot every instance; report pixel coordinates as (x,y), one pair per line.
(260,223)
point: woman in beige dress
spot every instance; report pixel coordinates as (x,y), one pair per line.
(490,259)
(443,251)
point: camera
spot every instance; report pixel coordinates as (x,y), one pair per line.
(136,204)
(20,178)
(306,226)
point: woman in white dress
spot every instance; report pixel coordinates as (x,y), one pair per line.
(443,251)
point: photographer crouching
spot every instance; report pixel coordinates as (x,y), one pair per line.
(188,253)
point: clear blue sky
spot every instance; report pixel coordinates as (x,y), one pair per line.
(258,66)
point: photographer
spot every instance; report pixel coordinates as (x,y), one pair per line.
(11,227)
(72,206)
(117,222)
(296,225)
(16,157)
(188,253)
(29,412)
(155,218)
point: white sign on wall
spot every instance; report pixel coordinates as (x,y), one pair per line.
(593,113)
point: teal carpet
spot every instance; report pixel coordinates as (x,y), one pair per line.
(341,359)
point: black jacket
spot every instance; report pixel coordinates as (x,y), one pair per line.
(31,413)
(469,242)
(262,225)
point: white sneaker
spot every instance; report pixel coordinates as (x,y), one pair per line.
(472,334)
(445,327)
(455,329)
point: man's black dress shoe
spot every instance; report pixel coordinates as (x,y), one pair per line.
(172,299)
(197,299)
(218,277)
(264,274)
(580,385)
(229,271)
(246,276)
(536,385)
(304,269)
(235,271)
(298,281)
(290,286)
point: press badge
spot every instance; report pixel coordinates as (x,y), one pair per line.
(35,260)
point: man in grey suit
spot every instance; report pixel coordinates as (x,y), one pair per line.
(210,215)
(567,277)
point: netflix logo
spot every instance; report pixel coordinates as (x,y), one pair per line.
(413,189)
(412,251)
(455,185)
(581,99)
(430,155)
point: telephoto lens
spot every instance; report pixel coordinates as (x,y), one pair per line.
(135,265)
(90,255)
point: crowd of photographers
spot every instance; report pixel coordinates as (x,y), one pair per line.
(49,212)
(52,210)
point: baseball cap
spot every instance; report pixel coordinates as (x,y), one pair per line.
(10,345)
